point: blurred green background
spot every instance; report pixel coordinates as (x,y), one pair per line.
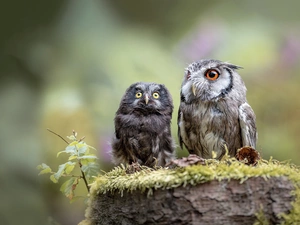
(65,64)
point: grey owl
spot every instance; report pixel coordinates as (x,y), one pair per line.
(213,110)
(142,126)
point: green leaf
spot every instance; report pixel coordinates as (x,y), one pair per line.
(62,169)
(72,157)
(87,160)
(69,168)
(71,137)
(68,187)
(52,178)
(59,153)
(88,157)
(69,150)
(91,147)
(73,143)
(44,169)
(82,149)
(90,169)
(42,166)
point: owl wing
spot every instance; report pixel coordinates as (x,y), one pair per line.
(179,118)
(247,124)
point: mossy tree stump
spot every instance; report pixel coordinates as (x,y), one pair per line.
(218,193)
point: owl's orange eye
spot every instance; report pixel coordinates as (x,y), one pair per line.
(138,95)
(212,74)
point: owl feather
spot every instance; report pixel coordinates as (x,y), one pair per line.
(142,126)
(213,112)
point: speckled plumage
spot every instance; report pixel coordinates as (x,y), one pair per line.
(142,127)
(214,113)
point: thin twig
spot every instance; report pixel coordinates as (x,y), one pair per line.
(81,139)
(58,135)
(83,177)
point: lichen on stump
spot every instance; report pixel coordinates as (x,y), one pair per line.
(227,192)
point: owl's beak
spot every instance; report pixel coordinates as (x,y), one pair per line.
(193,89)
(146,99)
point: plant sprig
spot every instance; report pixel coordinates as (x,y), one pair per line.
(79,155)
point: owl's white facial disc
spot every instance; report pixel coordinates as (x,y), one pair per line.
(219,85)
(206,82)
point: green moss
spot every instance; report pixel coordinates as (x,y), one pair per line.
(261,219)
(148,179)
(294,216)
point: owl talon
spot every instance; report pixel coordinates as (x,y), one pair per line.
(133,167)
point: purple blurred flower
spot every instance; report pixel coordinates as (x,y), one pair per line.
(290,50)
(105,149)
(202,42)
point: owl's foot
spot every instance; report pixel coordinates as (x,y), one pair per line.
(133,167)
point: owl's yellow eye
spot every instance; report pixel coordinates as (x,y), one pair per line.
(138,95)
(155,95)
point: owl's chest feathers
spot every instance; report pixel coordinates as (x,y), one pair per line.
(208,126)
(145,135)
(212,112)
(152,124)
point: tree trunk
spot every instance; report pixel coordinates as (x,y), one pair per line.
(214,202)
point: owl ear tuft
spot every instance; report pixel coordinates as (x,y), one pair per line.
(232,66)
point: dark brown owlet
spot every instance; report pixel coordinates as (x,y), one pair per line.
(213,110)
(142,126)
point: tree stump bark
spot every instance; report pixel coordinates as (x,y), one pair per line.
(213,202)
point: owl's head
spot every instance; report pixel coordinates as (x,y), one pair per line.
(210,80)
(147,98)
